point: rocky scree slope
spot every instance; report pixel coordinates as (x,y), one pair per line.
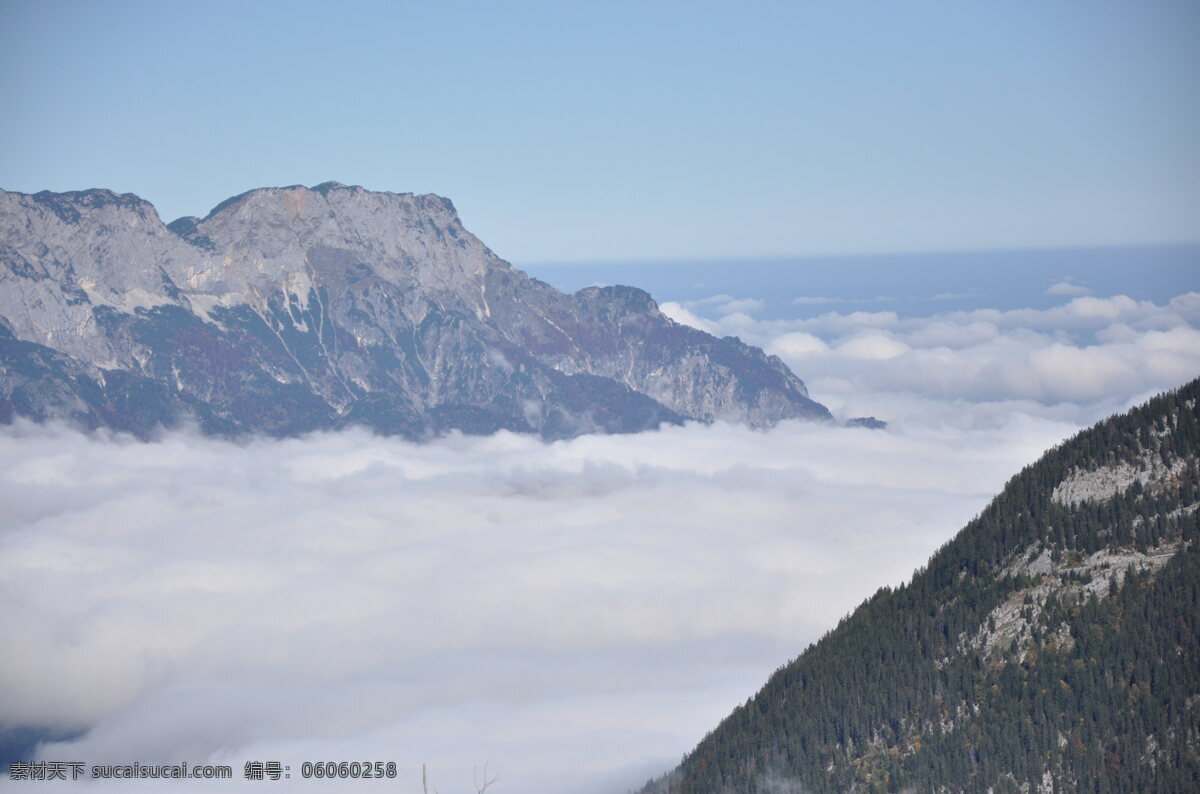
(1053,645)
(287,310)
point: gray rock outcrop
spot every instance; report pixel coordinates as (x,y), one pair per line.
(293,309)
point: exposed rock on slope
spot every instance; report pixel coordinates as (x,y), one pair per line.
(293,309)
(1053,645)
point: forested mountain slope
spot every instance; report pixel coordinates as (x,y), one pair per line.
(1052,645)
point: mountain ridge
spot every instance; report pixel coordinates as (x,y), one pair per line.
(290,309)
(1052,645)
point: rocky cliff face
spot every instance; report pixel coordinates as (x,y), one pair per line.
(294,309)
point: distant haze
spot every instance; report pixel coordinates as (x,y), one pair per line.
(909,284)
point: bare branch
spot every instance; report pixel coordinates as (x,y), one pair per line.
(424,784)
(480,788)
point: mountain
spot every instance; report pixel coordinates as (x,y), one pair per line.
(293,309)
(1052,646)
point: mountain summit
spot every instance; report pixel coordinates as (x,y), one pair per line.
(286,310)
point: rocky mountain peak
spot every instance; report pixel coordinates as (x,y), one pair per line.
(296,308)
(297,201)
(269,235)
(621,300)
(69,207)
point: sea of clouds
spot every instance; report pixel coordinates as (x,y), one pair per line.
(1079,361)
(575,614)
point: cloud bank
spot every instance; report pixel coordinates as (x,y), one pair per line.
(576,613)
(1079,361)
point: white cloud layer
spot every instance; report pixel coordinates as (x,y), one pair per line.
(1082,360)
(578,613)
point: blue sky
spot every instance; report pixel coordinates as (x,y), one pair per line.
(573,131)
